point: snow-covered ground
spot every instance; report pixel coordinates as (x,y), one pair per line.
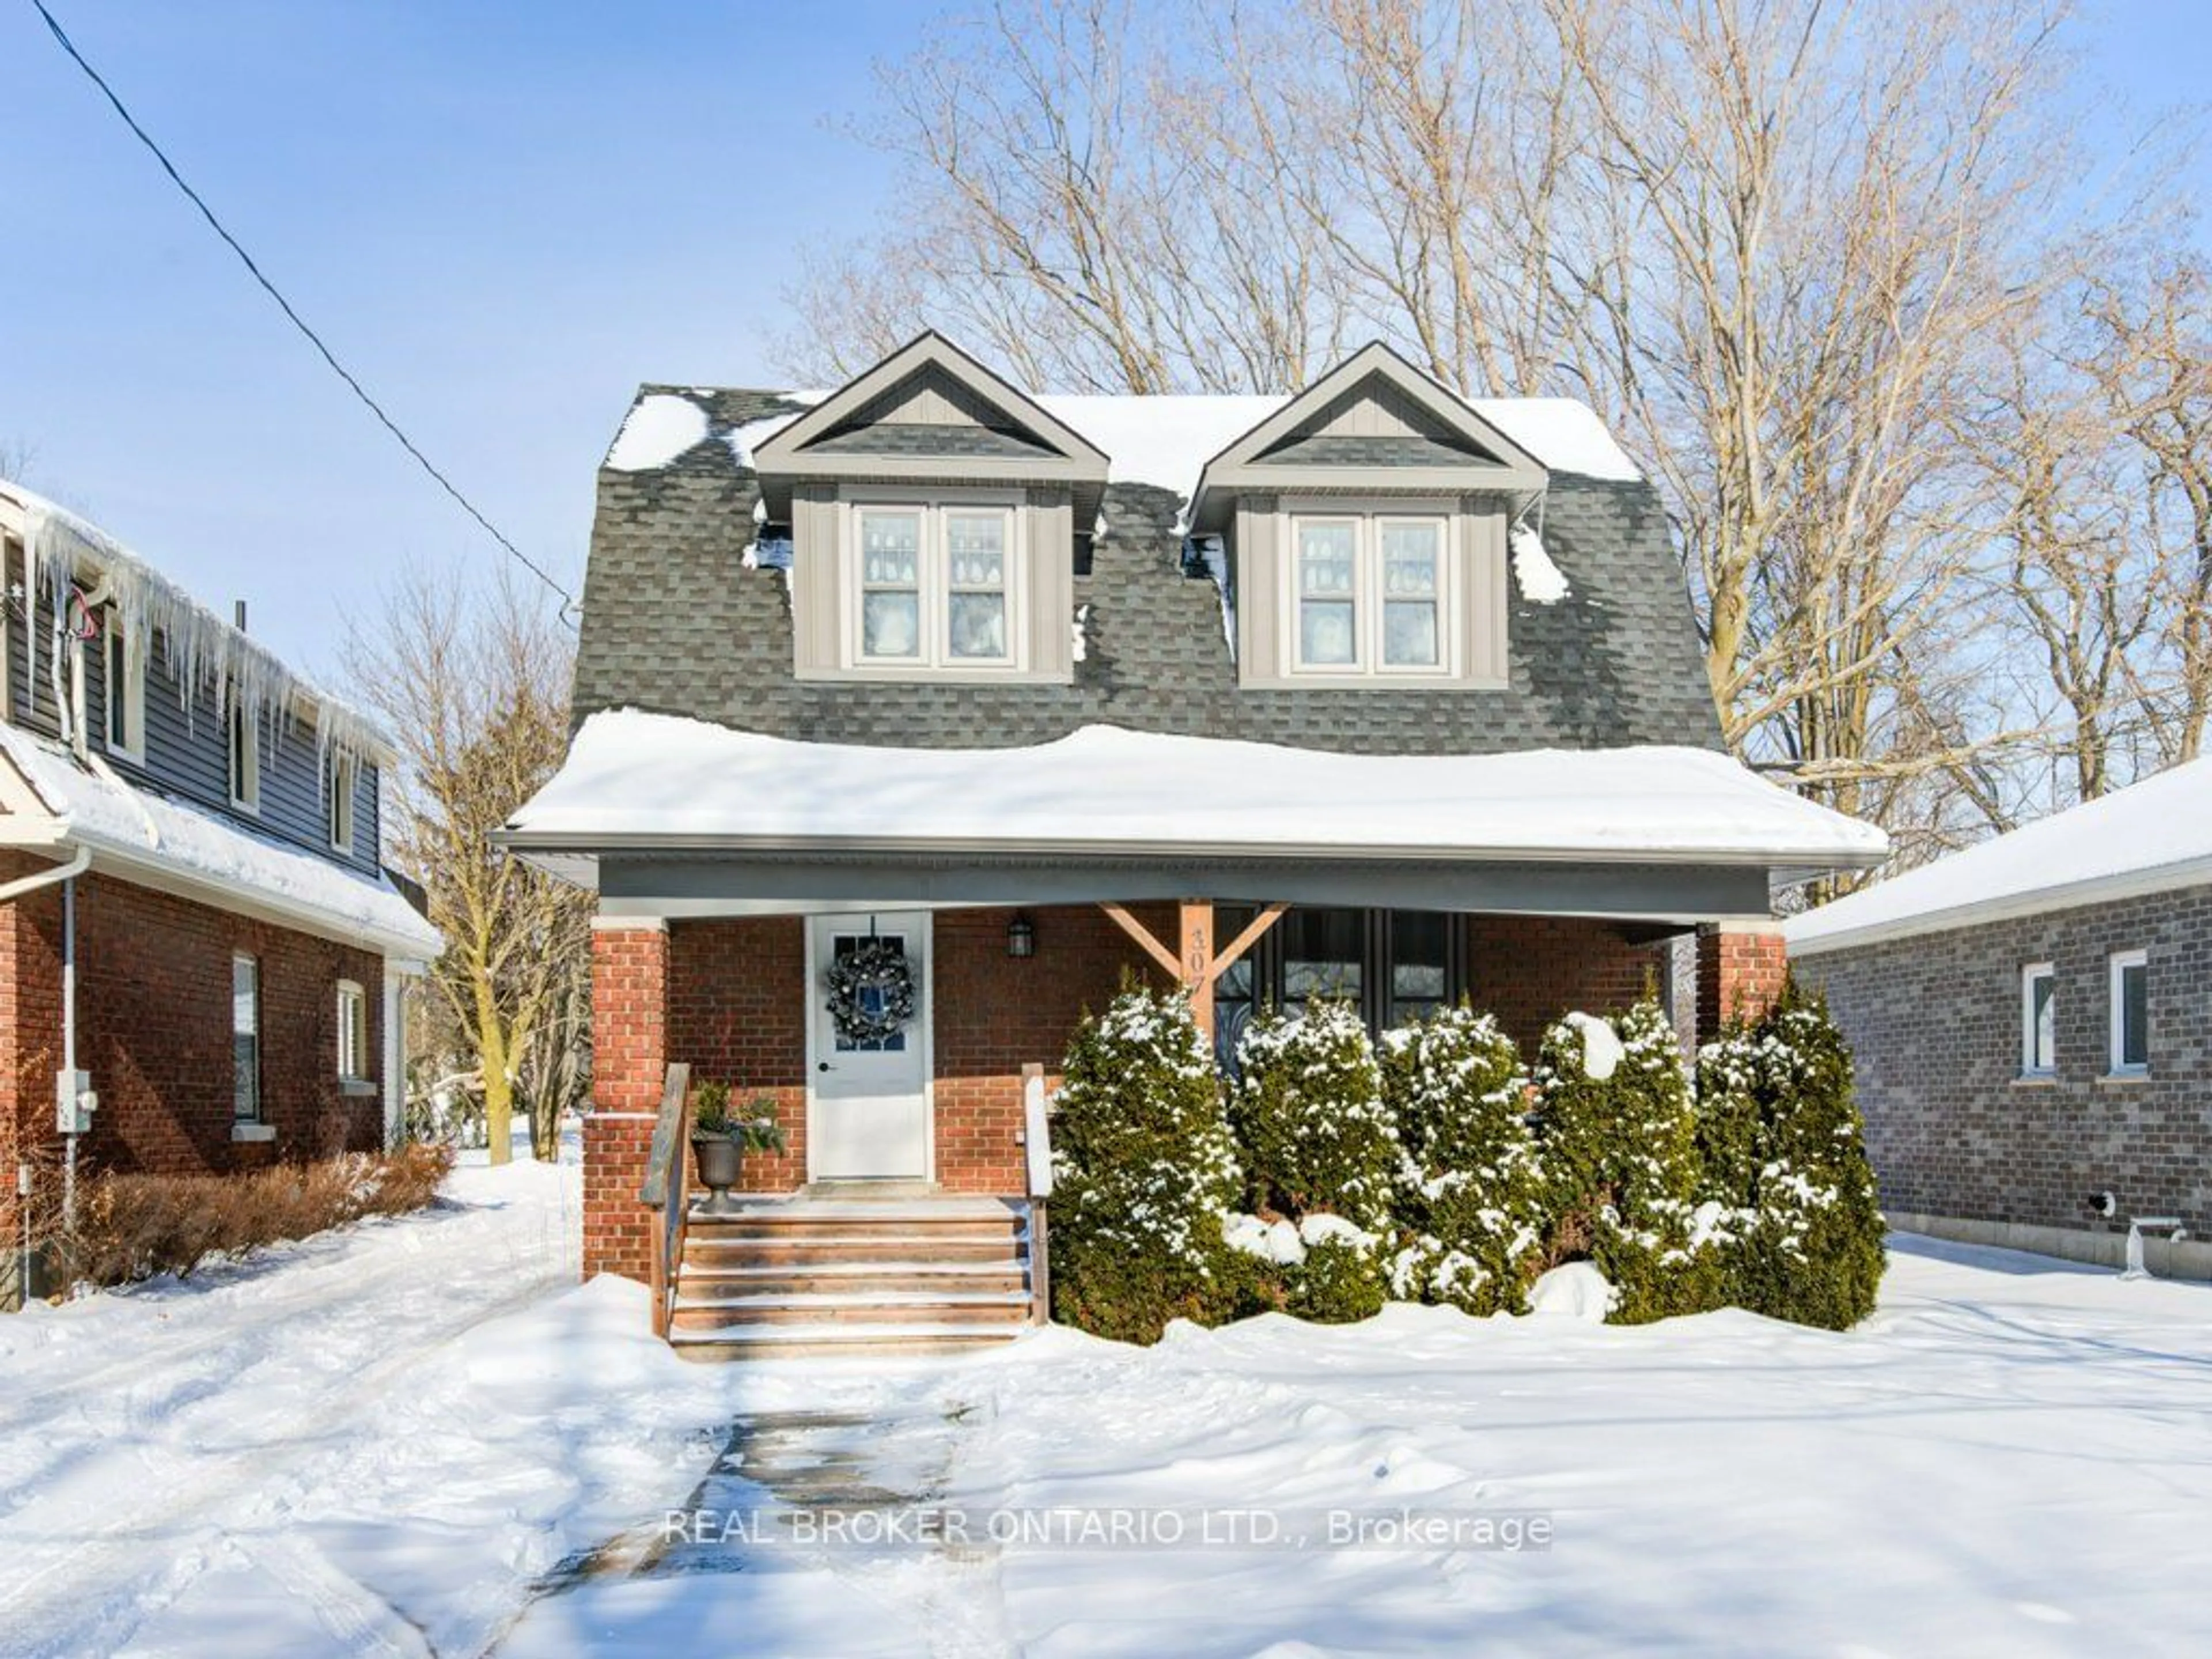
(419,1438)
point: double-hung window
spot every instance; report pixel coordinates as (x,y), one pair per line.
(353,1031)
(245,756)
(2038,1020)
(2131,1012)
(1370,593)
(936,586)
(339,782)
(123,660)
(246,1038)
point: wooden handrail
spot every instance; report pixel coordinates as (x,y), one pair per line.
(667,1189)
(1036,1144)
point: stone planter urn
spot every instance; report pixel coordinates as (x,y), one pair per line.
(719,1159)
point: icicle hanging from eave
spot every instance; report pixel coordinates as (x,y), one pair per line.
(202,651)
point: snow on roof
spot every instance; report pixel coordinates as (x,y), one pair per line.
(1165,440)
(2151,836)
(203,652)
(635,774)
(660,427)
(95,807)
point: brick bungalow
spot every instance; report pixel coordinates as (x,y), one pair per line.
(1374,689)
(2032,1024)
(201,957)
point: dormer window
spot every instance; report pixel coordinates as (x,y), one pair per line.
(1371,594)
(933,510)
(1365,525)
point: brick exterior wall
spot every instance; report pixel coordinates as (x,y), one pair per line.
(154,1030)
(1529,971)
(1934,1024)
(1740,973)
(729,997)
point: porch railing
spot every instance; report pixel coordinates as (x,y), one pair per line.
(667,1189)
(1037,1144)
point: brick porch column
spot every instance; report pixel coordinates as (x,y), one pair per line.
(629,1059)
(1740,967)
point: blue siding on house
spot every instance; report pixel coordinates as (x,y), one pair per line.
(187,750)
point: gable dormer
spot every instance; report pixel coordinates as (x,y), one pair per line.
(934,510)
(1365,525)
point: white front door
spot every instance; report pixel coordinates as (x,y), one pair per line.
(868,1114)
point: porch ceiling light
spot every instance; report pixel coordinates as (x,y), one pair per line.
(1021,937)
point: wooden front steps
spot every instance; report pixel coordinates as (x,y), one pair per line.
(837,1276)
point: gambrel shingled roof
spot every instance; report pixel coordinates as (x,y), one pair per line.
(675,621)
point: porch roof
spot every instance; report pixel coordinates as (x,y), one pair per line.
(651,786)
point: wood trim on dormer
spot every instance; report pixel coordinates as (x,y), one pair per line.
(1497,463)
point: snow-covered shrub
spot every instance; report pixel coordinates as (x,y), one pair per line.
(1144,1172)
(1322,1268)
(1309,1114)
(1471,1194)
(1785,1164)
(1619,1149)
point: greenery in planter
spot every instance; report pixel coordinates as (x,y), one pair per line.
(1308,1112)
(1784,1154)
(1620,1148)
(1144,1172)
(711,1118)
(1471,1191)
(710,1108)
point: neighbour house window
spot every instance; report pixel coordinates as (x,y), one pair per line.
(246,1038)
(2038,1020)
(936,585)
(124,660)
(1369,593)
(245,756)
(352,1031)
(339,785)
(2131,1011)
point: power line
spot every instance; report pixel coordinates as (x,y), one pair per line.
(568,600)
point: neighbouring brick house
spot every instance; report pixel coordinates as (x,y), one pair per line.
(1374,689)
(196,931)
(2031,1019)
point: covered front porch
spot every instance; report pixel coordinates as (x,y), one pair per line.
(880,944)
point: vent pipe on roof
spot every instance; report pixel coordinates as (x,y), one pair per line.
(238,615)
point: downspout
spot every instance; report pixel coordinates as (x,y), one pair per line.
(66,874)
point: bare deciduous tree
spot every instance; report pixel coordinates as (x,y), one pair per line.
(473,686)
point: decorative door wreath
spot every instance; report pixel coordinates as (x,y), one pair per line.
(870,991)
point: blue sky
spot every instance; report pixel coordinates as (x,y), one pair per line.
(501,216)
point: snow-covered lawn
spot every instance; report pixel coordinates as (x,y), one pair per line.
(419,1438)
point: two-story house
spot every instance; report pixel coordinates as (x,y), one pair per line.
(911,716)
(201,955)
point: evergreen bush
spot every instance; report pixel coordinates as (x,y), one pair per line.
(1620,1146)
(1472,1198)
(1144,1173)
(1785,1155)
(1309,1115)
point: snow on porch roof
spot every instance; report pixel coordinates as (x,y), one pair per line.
(635,780)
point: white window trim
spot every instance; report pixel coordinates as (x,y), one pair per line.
(243,760)
(1368,520)
(2028,977)
(133,746)
(353,1033)
(2115,1009)
(260,1102)
(936,656)
(340,777)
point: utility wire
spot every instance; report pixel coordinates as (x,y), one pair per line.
(568,600)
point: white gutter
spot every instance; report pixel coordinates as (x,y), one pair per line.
(79,862)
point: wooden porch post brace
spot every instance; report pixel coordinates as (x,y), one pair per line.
(1198,965)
